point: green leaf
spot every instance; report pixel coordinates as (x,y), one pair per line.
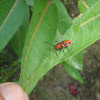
(12,13)
(17,42)
(30,2)
(89,31)
(76,61)
(85,4)
(42,28)
(73,63)
(83,33)
(65,21)
(73,72)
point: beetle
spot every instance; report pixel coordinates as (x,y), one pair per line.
(61,45)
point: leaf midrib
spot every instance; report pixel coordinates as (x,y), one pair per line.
(35,33)
(8,15)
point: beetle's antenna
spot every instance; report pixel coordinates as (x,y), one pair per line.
(48,43)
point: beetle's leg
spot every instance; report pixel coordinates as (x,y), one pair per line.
(63,50)
(56,53)
(56,41)
(67,47)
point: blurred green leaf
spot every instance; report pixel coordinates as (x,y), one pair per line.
(12,13)
(73,63)
(17,42)
(85,4)
(30,2)
(76,60)
(64,21)
(73,72)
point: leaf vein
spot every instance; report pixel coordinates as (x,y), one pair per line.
(85,4)
(90,19)
(8,14)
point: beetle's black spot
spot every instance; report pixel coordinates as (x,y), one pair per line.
(65,44)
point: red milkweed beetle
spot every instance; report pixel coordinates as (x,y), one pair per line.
(61,45)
